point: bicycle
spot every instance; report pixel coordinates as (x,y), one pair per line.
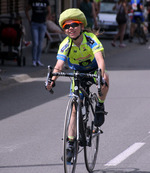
(139,31)
(87,135)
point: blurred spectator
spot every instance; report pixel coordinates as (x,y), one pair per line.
(97,4)
(87,7)
(40,11)
(18,20)
(122,9)
(137,8)
(148,15)
(52,26)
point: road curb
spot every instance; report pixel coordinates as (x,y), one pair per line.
(7,81)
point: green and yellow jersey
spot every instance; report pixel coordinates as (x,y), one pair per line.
(97,0)
(81,58)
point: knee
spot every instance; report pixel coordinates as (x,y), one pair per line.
(35,43)
(106,78)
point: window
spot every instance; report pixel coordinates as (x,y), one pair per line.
(12,6)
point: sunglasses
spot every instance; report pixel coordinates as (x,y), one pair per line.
(71,24)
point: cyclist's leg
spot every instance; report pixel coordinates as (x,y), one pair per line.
(117,35)
(100,109)
(122,32)
(70,146)
(143,30)
(140,30)
(72,126)
(71,135)
(132,28)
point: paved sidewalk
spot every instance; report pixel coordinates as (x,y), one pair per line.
(11,74)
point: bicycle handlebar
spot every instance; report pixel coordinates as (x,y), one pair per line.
(76,74)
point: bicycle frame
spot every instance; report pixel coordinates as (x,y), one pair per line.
(83,138)
(77,87)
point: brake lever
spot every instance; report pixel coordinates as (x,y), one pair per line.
(48,78)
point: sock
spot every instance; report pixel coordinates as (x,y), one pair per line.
(100,101)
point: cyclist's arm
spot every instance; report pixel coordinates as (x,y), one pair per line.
(100,61)
(58,68)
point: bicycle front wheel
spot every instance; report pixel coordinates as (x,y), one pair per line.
(92,137)
(69,165)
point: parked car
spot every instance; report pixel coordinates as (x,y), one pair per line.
(107,18)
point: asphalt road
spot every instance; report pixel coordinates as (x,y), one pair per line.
(31,120)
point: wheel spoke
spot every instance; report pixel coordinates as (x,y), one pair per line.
(69,166)
(91,150)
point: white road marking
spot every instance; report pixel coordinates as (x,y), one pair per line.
(125,154)
(23,78)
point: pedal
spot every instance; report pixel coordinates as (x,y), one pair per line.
(101,131)
(98,130)
(105,113)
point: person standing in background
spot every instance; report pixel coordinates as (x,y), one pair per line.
(18,21)
(88,8)
(97,4)
(52,26)
(121,6)
(40,11)
(148,16)
(137,7)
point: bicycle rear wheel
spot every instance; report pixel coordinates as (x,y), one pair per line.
(92,137)
(69,166)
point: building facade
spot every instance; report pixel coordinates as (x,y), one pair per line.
(18,6)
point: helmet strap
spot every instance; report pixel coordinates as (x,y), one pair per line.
(77,36)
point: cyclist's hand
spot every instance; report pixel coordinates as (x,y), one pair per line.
(104,83)
(50,85)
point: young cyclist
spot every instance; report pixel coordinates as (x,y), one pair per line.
(83,52)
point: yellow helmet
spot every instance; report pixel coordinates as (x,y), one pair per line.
(72,14)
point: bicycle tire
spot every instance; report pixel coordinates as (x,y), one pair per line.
(69,167)
(91,149)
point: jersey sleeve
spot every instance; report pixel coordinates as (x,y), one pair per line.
(63,49)
(97,46)
(94,43)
